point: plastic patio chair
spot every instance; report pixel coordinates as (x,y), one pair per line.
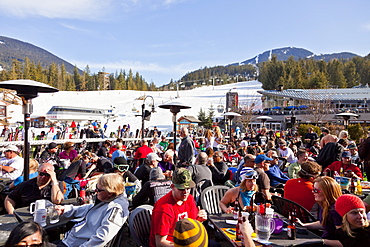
(139,224)
(284,207)
(211,196)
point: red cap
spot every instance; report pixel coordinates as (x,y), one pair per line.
(346,203)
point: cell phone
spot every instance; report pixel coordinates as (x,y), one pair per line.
(231,231)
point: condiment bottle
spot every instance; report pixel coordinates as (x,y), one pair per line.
(359,187)
(292,230)
(240,221)
(236,209)
(341,173)
(352,188)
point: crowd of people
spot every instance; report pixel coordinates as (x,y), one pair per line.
(255,167)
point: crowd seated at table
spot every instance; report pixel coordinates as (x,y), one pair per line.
(256,163)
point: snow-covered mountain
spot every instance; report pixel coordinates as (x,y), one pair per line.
(124,102)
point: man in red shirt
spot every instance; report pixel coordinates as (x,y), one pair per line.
(299,190)
(176,205)
(142,152)
(346,165)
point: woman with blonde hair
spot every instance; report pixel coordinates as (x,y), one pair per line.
(218,138)
(209,139)
(101,220)
(248,187)
(326,191)
(69,152)
(355,230)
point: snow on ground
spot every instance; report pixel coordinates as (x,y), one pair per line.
(124,101)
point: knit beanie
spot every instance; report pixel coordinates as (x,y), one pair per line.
(347,202)
(191,233)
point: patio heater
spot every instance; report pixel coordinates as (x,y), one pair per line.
(346,117)
(230,115)
(263,119)
(175,108)
(27,90)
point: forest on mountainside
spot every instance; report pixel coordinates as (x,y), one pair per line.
(57,76)
(312,74)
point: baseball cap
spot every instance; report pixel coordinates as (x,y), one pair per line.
(181,178)
(11,148)
(261,158)
(153,156)
(346,154)
(156,173)
(352,146)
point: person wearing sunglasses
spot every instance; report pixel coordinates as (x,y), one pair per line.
(44,186)
(326,192)
(243,194)
(29,234)
(100,221)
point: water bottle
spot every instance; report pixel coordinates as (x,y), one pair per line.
(40,217)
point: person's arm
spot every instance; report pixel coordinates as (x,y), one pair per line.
(56,194)
(7,168)
(143,195)
(161,241)
(332,243)
(311,225)
(9,205)
(202,215)
(226,199)
(247,231)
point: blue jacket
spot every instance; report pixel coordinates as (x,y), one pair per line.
(276,176)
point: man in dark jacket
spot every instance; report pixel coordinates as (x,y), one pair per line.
(331,152)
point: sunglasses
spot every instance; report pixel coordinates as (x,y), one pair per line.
(98,190)
(275,157)
(314,190)
(282,144)
(31,245)
(44,174)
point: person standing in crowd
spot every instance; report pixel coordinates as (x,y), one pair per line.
(345,165)
(294,168)
(262,138)
(355,230)
(209,139)
(186,148)
(326,191)
(175,205)
(154,189)
(100,221)
(142,152)
(69,152)
(218,138)
(11,166)
(299,189)
(164,143)
(327,137)
(45,186)
(363,152)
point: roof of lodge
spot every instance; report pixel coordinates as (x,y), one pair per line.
(338,94)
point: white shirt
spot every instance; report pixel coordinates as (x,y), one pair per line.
(289,154)
(17,163)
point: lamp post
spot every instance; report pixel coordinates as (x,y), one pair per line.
(145,114)
(230,115)
(175,108)
(27,90)
(346,116)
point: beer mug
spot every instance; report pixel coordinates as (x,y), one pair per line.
(39,204)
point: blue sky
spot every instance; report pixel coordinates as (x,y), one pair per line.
(164,39)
